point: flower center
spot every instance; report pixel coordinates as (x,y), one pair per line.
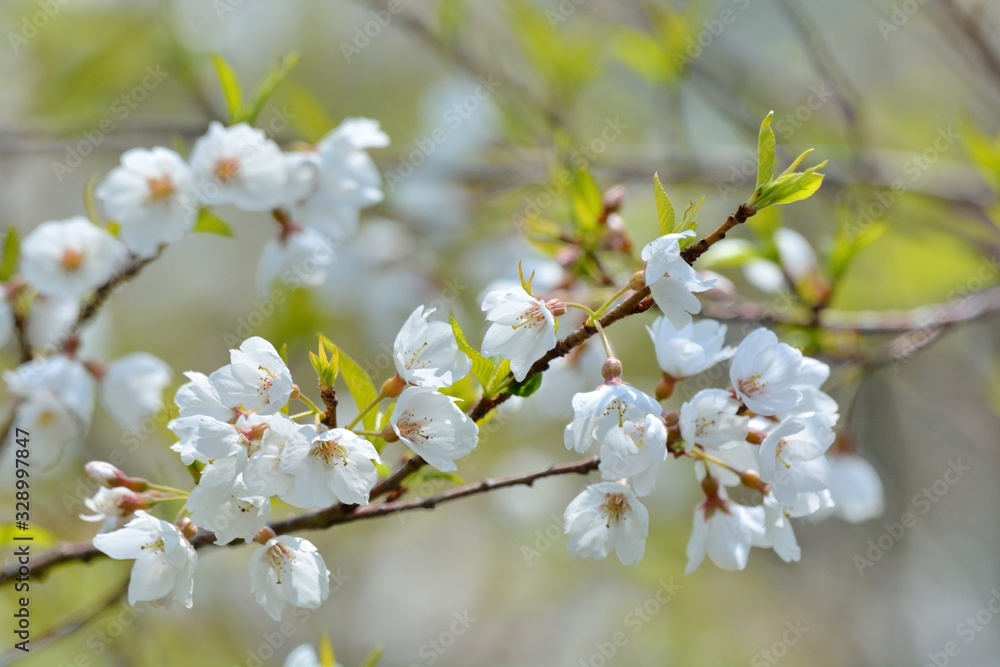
(615,507)
(751,385)
(530,318)
(281,558)
(156,545)
(160,188)
(226,169)
(72,259)
(410,429)
(329,451)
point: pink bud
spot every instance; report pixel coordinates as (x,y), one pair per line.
(104,473)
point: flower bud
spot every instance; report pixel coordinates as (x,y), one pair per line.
(394,386)
(665,387)
(187,527)
(104,473)
(612,371)
(264,535)
(637,280)
(751,479)
(556,307)
(614,198)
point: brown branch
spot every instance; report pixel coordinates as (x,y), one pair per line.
(104,292)
(693,252)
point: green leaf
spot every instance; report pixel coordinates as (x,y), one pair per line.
(373,657)
(11,253)
(642,53)
(326,362)
(231,91)
(790,187)
(360,384)
(263,91)
(688,221)
(482,367)
(766,145)
(664,209)
(500,379)
(586,199)
(527,386)
(308,115)
(209,223)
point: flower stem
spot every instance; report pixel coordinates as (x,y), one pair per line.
(364,411)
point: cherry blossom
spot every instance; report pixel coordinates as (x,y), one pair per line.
(709,419)
(256,378)
(288,571)
(607,516)
(430,424)
(238,165)
(132,388)
(231,512)
(523,328)
(69,258)
(791,456)
(335,466)
(691,349)
(426,354)
(765,373)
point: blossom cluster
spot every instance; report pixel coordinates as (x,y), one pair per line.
(154,199)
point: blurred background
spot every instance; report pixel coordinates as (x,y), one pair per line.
(487,103)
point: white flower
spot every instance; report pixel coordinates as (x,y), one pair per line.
(303,656)
(672,280)
(113,506)
(607,516)
(740,456)
(164,560)
(256,378)
(725,531)
(56,406)
(426,354)
(635,449)
(765,373)
(69,258)
(778,533)
(238,165)
(49,320)
(288,571)
(430,424)
(330,184)
(811,376)
(200,397)
(855,488)
(231,512)
(692,349)
(204,439)
(614,403)
(523,328)
(299,257)
(132,388)
(336,466)
(264,474)
(709,419)
(791,457)
(151,195)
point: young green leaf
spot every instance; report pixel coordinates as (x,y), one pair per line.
(11,253)
(586,199)
(766,145)
(664,209)
(263,91)
(231,91)
(209,223)
(482,367)
(527,386)
(360,385)
(373,657)
(789,187)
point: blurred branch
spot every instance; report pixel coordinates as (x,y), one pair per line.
(948,313)
(975,37)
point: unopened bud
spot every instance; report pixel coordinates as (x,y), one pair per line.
(612,371)
(388,434)
(614,198)
(637,280)
(755,436)
(665,387)
(556,307)
(394,386)
(264,535)
(187,527)
(751,479)
(296,392)
(255,432)
(104,473)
